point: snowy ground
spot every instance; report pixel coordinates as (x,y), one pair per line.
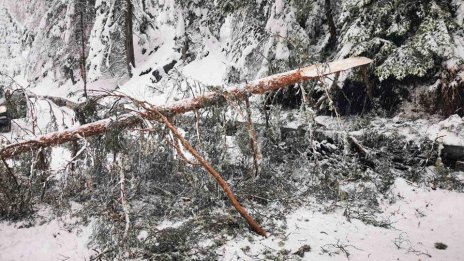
(54,240)
(420,217)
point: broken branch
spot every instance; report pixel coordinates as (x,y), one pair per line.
(207,166)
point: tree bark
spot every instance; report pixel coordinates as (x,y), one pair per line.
(260,86)
(330,21)
(130,57)
(83,40)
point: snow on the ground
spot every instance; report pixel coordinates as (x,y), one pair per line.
(60,157)
(49,241)
(449,131)
(49,86)
(208,70)
(234,155)
(170,224)
(201,70)
(420,218)
(211,69)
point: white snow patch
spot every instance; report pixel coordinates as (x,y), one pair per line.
(449,131)
(211,69)
(60,157)
(277,26)
(460,11)
(420,217)
(142,236)
(170,224)
(234,154)
(226,31)
(49,241)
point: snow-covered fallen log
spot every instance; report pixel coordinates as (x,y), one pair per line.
(59,101)
(260,86)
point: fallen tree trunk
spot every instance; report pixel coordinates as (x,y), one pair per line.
(260,86)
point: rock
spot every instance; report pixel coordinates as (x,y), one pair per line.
(440,246)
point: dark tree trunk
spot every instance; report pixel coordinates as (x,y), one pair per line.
(144,5)
(70,73)
(129,37)
(330,21)
(83,56)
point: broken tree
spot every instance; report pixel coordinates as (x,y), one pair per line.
(260,86)
(161,113)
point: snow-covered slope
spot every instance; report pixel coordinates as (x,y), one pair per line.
(11,55)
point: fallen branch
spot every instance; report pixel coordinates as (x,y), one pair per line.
(207,166)
(261,86)
(125,205)
(358,146)
(253,139)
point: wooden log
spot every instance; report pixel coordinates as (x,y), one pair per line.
(260,86)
